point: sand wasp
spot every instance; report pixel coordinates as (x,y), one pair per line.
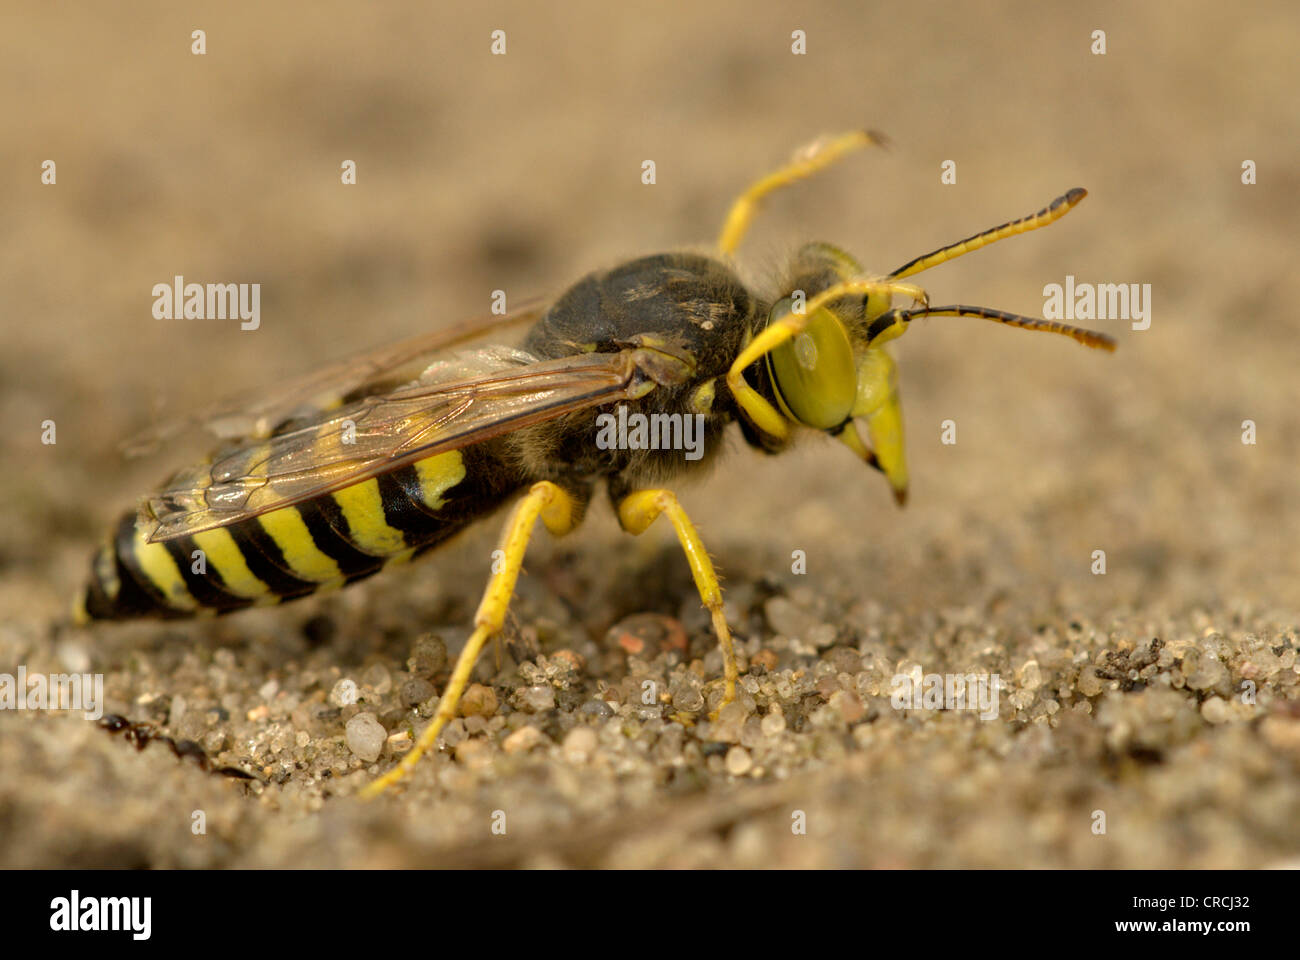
(380,458)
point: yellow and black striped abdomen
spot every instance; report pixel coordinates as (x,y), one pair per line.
(320,544)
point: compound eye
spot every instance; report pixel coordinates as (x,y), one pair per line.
(814,374)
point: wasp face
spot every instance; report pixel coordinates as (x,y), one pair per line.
(835,375)
(815,375)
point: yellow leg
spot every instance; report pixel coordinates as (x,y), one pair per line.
(761,413)
(636,512)
(558,510)
(808,160)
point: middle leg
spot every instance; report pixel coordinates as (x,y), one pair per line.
(636,512)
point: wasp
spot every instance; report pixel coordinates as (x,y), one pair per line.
(381,458)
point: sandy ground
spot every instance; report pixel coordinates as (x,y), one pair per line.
(1123,700)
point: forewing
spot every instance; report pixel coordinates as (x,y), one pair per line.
(453,404)
(377,371)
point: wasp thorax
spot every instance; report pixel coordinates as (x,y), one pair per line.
(813,373)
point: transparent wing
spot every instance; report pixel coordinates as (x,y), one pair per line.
(378,371)
(463,398)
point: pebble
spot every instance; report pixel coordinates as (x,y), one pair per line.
(416,692)
(739,761)
(1282,733)
(378,679)
(843,659)
(454,732)
(365,736)
(730,723)
(343,693)
(822,635)
(428,656)
(579,744)
(787,619)
(773,724)
(688,699)
(1021,699)
(1261,664)
(475,754)
(848,705)
(596,708)
(1215,710)
(913,670)
(538,698)
(523,740)
(1209,673)
(571,661)
(646,635)
(481,701)
(1089,683)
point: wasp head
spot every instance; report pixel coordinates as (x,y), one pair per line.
(833,373)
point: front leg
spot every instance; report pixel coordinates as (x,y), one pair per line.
(636,512)
(807,161)
(762,414)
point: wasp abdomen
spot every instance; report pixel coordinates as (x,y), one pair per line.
(320,544)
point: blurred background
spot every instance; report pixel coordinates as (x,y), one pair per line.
(523,172)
